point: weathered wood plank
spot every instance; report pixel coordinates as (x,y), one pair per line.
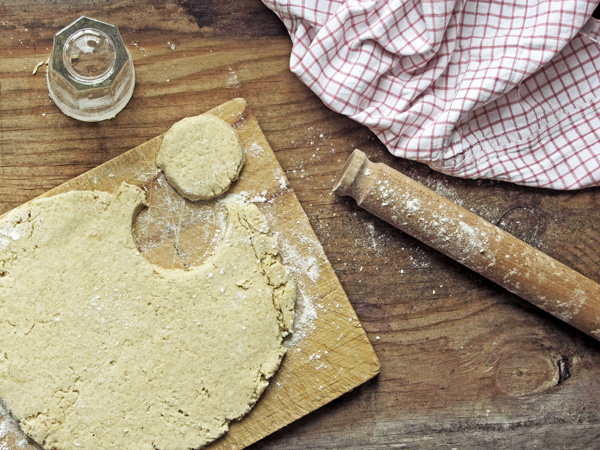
(467,366)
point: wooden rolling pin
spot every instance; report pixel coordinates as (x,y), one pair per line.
(472,241)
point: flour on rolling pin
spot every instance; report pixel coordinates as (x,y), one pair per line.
(472,241)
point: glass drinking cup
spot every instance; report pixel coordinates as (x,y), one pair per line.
(90,73)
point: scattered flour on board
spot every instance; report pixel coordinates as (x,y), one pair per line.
(304,319)
(282,183)
(257,198)
(149,171)
(245,197)
(305,268)
(254,148)
(300,264)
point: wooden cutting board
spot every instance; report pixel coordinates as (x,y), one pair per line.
(329,353)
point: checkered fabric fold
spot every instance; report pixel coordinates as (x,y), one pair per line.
(476,89)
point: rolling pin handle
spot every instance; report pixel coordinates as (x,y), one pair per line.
(351,170)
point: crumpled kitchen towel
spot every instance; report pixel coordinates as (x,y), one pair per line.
(495,89)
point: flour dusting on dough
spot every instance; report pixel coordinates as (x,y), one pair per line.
(8,234)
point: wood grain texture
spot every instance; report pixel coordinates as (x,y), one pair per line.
(465,364)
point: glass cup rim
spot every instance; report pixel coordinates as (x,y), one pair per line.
(57,63)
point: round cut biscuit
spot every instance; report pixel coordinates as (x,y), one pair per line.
(201,156)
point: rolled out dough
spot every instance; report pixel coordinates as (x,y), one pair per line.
(201,156)
(101,349)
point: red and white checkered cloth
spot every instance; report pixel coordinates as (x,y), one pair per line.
(474,88)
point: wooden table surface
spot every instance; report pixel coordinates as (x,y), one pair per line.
(465,364)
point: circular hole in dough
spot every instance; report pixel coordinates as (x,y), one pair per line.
(201,156)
